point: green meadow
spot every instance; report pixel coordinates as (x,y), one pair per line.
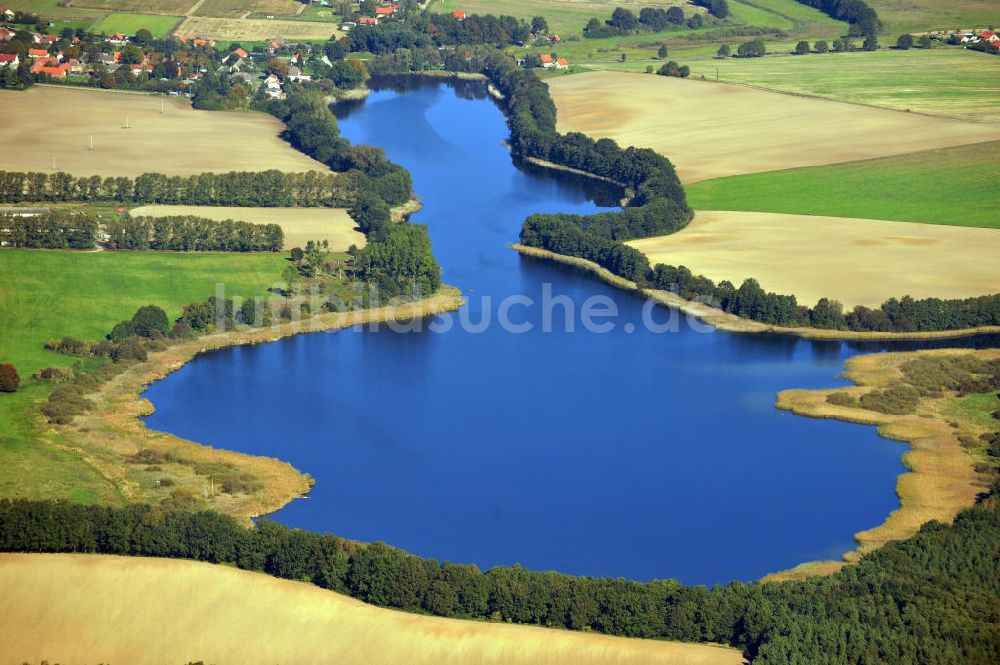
(955,186)
(943,81)
(129,24)
(51,294)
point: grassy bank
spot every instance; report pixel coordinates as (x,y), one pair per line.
(955,186)
(943,431)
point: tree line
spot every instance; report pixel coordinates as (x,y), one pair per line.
(934,597)
(312,129)
(430,29)
(862,18)
(48,231)
(270,188)
(188,233)
(650,19)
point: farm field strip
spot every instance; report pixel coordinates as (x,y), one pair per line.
(711,130)
(46,123)
(248,29)
(955,186)
(85,608)
(855,261)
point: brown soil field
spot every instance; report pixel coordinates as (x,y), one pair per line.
(711,130)
(941,479)
(299,224)
(92,608)
(235,8)
(49,122)
(856,261)
(251,29)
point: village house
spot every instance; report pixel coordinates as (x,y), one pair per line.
(51,67)
(117,38)
(7,13)
(6,34)
(275,46)
(347,25)
(37,53)
(562,63)
(295,74)
(367,20)
(272,87)
(459,14)
(9,60)
(547,61)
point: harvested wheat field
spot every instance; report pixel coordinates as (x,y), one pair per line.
(856,261)
(49,122)
(299,224)
(252,29)
(90,608)
(710,129)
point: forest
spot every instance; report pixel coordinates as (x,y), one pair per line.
(933,598)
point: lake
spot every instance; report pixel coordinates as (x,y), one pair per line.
(627,452)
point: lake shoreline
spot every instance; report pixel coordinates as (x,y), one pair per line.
(727,322)
(113,432)
(940,480)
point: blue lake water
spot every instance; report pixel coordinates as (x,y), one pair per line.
(637,454)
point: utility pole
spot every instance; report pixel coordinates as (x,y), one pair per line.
(91,142)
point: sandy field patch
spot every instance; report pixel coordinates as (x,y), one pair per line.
(251,29)
(710,130)
(856,261)
(48,121)
(91,608)
(299,224)
(234,8)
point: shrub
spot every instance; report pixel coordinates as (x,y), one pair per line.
(896,400)
(122,330)
(182,330)
(9,378)
(841,399)
(54,374)
(129,349)
(150,319)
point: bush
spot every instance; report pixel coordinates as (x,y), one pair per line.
(841,399)
(54,374)
(122,330)
(129,349)
(182,330)
(9,379)
(895,401)
(150,319)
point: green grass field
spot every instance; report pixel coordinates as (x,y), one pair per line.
(129,24)
(955,186)
(900,16)
(47,294)
(943,81)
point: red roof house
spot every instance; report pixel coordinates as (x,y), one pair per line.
(546,59)
(459,14)
(562,63)
(367,20)
(10,59)
(241,53)
(384,11)
(38,53)
(7,34)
